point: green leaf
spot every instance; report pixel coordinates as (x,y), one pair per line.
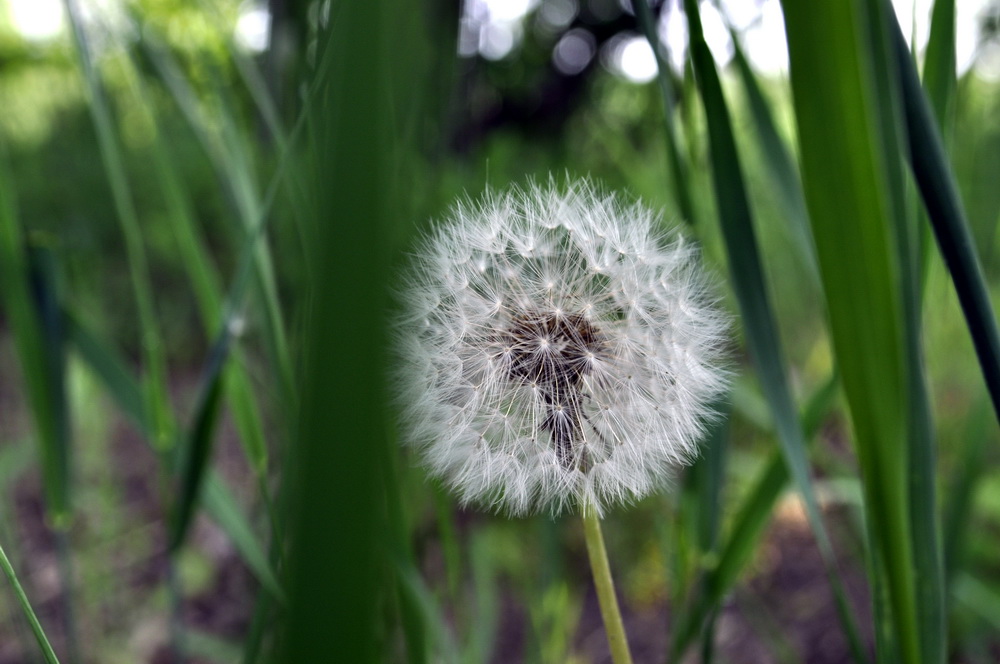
(748,282)
(338,518)
(944,208)
(846,140)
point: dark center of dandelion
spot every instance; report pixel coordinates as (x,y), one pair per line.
(552,352)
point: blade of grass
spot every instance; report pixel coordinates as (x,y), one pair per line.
(226,512)
(154,385)
(980,597)
(751,519)
(29,301)
(847,181)
(922,457)
(29,613)
(944,208)
(336,515)
(29,291)
(758,318)
(678,166)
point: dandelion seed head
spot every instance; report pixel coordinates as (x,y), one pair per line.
(556,347)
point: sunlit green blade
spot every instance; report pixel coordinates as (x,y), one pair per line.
(843,142)
(29,613)
(748,282)
(154,359)
(922,456)
(206,284)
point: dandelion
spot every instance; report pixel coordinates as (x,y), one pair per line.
(558,350)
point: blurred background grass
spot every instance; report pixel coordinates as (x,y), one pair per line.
(191,150)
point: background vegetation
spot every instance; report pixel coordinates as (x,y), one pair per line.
(197,234)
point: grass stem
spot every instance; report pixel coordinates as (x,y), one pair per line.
(605,587)
(29,613)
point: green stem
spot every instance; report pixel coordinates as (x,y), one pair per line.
(29,613)
(605,587)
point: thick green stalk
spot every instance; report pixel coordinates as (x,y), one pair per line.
(605,587)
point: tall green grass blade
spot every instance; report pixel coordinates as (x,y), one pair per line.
(219,502)
(678,165)
(155,383)
(922,457)
(847,183)
(29,613)
(748,282)
(947,216)
(337,516)
(204,280)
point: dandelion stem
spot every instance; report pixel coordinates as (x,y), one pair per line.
(605,587)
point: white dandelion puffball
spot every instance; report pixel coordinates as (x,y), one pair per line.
(557,349)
